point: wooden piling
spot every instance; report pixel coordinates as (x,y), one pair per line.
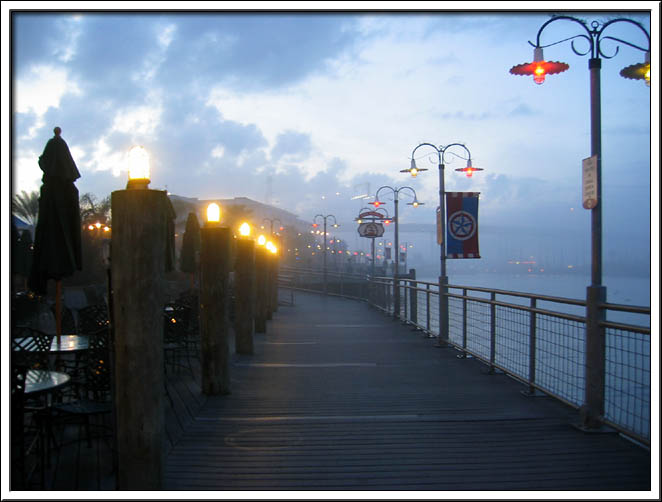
(138,261)
(261,289)
(244,296)
(214,301)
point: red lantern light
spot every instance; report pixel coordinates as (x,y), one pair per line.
(314,225)
(539,68)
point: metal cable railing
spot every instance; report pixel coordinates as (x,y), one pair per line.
(538,339)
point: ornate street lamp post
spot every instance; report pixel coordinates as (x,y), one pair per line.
(396,268)
(596,294)
(335,225)
(443,277)
(373,217)
(271,221)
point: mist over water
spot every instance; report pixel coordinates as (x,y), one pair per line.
(633,291)
(620,289)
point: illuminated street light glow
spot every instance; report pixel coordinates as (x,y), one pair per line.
(469,169)
(244,229)
(641,71)
(261,240)
(138,160)
(213,213)
(539,68)
(413,170)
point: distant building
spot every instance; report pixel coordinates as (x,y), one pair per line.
(259,211)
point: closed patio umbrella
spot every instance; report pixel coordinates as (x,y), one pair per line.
(57,244)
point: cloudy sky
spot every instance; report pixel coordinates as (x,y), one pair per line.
(305,110)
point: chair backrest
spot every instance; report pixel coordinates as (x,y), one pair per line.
(31,347)
(92,318)
(176,319)
(191,301)
(98,370)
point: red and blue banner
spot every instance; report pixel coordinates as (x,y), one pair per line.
(462,225)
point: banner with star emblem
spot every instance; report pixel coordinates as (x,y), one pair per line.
(462,225)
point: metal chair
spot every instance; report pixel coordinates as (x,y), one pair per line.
(17,427)
(92,318)
(176,318)
(95,395)
(31,347)
(95,401)
(31,350)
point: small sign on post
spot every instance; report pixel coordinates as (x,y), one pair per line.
(590,182)
(371,230)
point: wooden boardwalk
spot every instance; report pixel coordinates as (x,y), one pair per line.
(339,397)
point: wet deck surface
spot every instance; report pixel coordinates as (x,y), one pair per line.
(338,396)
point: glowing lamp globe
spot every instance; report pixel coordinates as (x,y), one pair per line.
(138,160)
(641,71)
(413,170)
(469,170)
(213,213)
(245,230)
(539,68)
(261,240)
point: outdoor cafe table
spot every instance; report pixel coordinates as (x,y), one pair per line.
(40,381)
(61,344)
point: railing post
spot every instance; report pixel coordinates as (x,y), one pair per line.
(592,412)
(443,311)
(492,331)
(532,346)
(427,307)
(388,297)
(464,322)
(413,304)
(406,291)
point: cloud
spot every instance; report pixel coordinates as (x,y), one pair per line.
(41,88)
(293,145)
(522,110)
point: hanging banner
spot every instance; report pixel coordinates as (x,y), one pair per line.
(387,253)
(462,225)
(403,258)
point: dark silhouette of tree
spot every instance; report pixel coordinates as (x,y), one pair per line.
(26,206)
(92,210)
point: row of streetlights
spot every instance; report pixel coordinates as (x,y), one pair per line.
(595,35)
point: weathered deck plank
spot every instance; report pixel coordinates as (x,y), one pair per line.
(338,397)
